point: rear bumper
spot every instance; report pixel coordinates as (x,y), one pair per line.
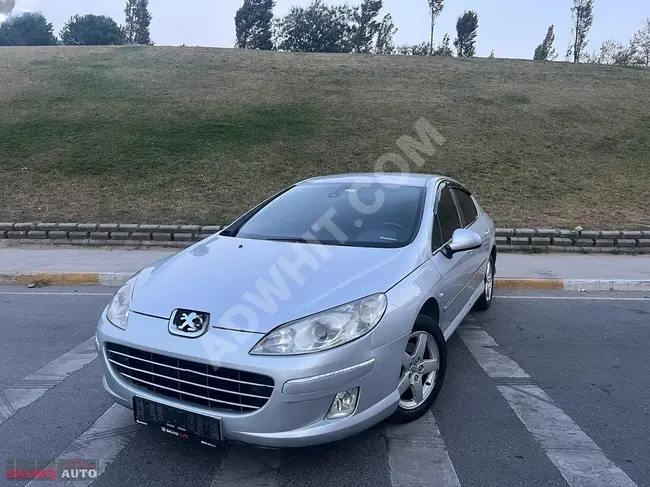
(304,389)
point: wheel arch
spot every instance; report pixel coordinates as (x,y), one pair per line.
(431,309)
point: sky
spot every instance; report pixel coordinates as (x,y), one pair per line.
(512,28)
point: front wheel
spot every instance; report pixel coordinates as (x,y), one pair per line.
(484,302)
(424,365)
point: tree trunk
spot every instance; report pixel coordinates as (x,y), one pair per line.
(433,23)
(576,52)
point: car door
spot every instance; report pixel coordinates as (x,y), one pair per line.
(456,271)
(471,221)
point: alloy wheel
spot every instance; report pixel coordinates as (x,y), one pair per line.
(489,282)
(419,370)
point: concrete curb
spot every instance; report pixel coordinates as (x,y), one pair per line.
(519,284)
(111,279)
(114,279)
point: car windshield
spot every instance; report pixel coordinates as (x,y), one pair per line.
(355,215)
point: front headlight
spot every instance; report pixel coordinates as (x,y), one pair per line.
(118,311)
(324,330)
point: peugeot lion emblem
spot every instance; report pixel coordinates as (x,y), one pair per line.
(188,323)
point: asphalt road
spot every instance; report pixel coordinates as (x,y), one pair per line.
(587,352)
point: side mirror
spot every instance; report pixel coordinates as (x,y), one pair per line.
(462,241)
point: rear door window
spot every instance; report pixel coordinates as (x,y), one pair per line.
(467,207)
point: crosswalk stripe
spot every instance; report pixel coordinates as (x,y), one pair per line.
(246,466)
(103,441)
(579,459)
(30,388)
(417,455)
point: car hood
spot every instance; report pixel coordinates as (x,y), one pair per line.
(256,285)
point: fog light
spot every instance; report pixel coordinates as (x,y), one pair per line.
(344,404)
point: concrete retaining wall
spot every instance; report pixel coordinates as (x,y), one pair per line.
(561,240)
(108,234)
(181,236)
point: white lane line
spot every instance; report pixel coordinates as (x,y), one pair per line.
(417,455)
(103,442)
(246,466)
(575,298)
(578,458)
(37,293)
(28,389)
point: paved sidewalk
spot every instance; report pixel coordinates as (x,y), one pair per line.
(51,259)
(518,266)
(573,266)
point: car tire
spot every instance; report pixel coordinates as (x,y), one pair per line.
(483,303)
(427,327)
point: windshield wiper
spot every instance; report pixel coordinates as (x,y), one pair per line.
(301,240)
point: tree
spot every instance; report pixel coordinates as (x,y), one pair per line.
(444,49)
(137,22)
(365,26)
(142,18)
(611,52)
(385,35)
(253,25)
(422,49)
(316,28)
(129,20)
(545,51)
(640,45)
(29,29)
(583,18)
(435,9)
(467,30)
(92,30)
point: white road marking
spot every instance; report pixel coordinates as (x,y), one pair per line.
(27,390)
(569,298)
(247,466)
(103,441)
(417,455)
(37,293)
(575,298)
(578,458)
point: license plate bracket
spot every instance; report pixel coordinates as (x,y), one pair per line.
(178,422)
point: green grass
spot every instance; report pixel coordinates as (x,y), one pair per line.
(200,135)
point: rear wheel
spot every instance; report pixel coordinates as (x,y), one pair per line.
(424,365)
(485,300)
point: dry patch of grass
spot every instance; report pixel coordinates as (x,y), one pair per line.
(200,135)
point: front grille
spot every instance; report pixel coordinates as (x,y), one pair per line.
(192,382)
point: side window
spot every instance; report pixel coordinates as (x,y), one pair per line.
(467,208)
(447,215)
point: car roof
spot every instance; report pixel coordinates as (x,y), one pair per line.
(409,179)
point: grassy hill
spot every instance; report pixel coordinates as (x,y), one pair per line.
(199,135)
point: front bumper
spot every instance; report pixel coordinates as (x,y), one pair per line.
(305,385)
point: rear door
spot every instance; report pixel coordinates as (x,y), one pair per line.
(456,272)
(471,221)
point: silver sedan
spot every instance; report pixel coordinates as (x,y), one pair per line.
(319,313)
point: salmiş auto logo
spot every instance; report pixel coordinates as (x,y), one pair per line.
(48,470)
(188,323)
